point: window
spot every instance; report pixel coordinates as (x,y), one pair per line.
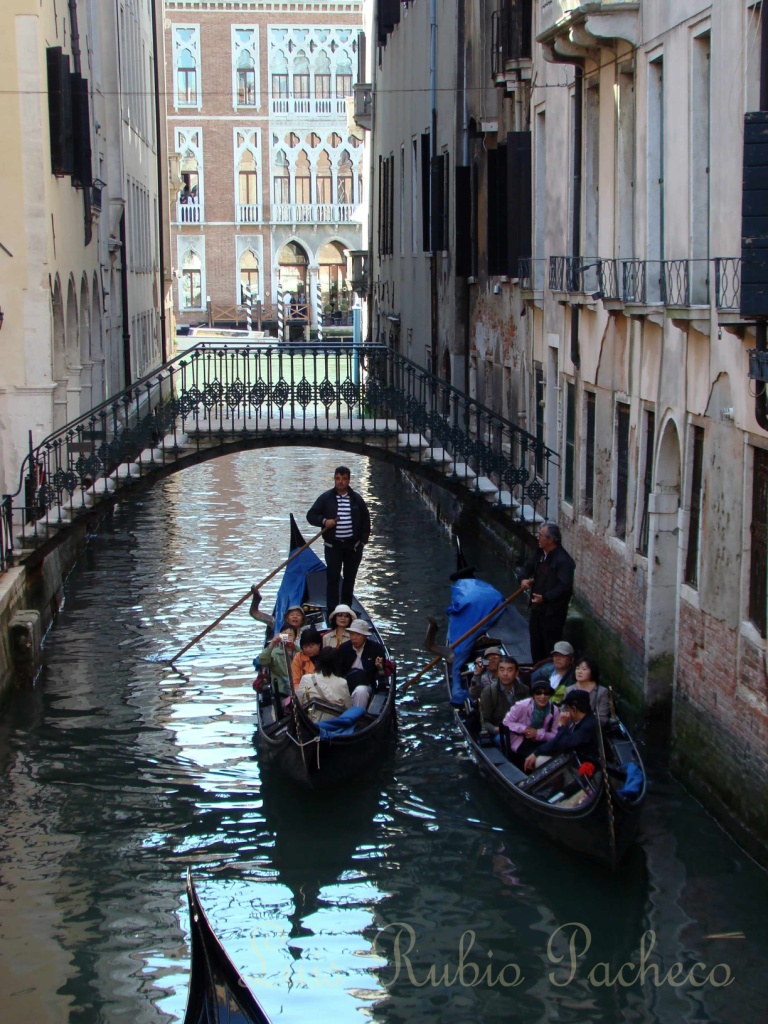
(758,560)
(246,84)
(539,390)
(386,203)
(301,86)
(622,469)
(322,87)
(280,86)
(249,276)
(343,86)
(414,196)
(345,180)
(570,441)
(281,179)
(324,179)
(692,551)
(650,433)
(192,281)
(245,51)
(588,506)
(303,180)
(186,60)
(248,190)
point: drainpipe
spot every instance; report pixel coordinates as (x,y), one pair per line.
(761,327)
(127,373)
(464,114)
(433,153)
(576,222)
(74,35)
(162,177)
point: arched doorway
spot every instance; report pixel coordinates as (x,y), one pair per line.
(663,575)
(332,268)
(292,269)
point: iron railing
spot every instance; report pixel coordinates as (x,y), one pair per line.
(574,274)
(531,271)
(728,282)
(216,393)
(676,282)
(510,33)
(609,278)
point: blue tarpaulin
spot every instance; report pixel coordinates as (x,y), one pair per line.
(292,587)
(633,783)
(343,725)
(471,600)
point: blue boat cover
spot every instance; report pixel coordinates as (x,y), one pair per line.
(291,589)
(344,725)
(471,601)
(633,782)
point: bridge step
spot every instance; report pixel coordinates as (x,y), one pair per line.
(412,441)
(528,514)
(487,488)
(506,499)
(461,470)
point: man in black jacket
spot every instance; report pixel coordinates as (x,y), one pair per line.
(578,732)
(347,520)
(549,577)
(361,662)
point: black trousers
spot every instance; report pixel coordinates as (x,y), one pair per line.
(544,629)
(340,558)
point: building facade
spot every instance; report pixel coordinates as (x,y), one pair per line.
(81,288)
(560,233)
(269,171)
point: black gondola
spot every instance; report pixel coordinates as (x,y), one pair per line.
(288,740)
(217,992)
(586,813)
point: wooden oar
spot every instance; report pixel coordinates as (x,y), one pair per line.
(245,597)
(469,632)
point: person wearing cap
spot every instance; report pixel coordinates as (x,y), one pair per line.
(305,659)
(558,669)
(347,523)
(548,576)
(361,662)
(486,671)
(587,676)
(577,733)
(294,616)
(500,696)
(531,722)
(339,621)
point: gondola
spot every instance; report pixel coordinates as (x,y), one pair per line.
(593,815)
(288,741)
(217,992)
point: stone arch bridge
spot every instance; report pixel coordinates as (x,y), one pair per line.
(217,398)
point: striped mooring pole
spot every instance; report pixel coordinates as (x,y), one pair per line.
(280,313)
(247,295)
(319,308)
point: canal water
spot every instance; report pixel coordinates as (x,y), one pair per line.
(410,897)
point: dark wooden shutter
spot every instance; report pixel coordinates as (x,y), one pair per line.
(463,215)
(437,203)
(496,214)
(519,200)
(81,133)
(758,562)
(754,216)
(425,239)
(59,111)
(388,17)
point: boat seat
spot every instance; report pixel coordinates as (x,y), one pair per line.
(508,770)
(377,704)
(546,770)
(267,715)
(624,751)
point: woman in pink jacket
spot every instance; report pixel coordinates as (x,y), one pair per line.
(531,722)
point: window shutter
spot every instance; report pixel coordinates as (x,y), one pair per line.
(496,214)
(519,200)
(463,221)
(425,192)
(59,111)
(81,132)
(754,217)
(437,203)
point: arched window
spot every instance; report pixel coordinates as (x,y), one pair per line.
(186,79)
(324,179)
(345,179)
(249,275)
(281,179)
(303,180)
(247,187)
(192,280)
(246,80)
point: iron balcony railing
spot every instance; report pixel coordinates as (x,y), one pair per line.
(609,279)
(728,283)
(218,392)
(531,274)
(510,33)
(574,274)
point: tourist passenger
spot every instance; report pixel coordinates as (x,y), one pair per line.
(486,671)
(549,577)
(362,662)
(577,732)
(558,669)
(326,685)
(531,722)
(305,658)
(498,698)
(294,616)
(347,522)
(339,620)
(588,680)
(277,657)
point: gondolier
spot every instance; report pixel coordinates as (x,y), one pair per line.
(347,520)
(549,578)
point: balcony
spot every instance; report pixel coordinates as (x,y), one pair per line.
(574,279)
(188,213)
(359,277)
(312,213)
(248,213)
(511,37)
(580,28)
(285,106)
(532,278)
(363,109)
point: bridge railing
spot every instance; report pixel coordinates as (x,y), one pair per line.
(218,392)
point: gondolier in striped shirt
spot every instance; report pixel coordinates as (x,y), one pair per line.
(348,526)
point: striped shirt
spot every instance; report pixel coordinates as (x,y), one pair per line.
(343,517)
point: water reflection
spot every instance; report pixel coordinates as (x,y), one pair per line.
(118,772)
